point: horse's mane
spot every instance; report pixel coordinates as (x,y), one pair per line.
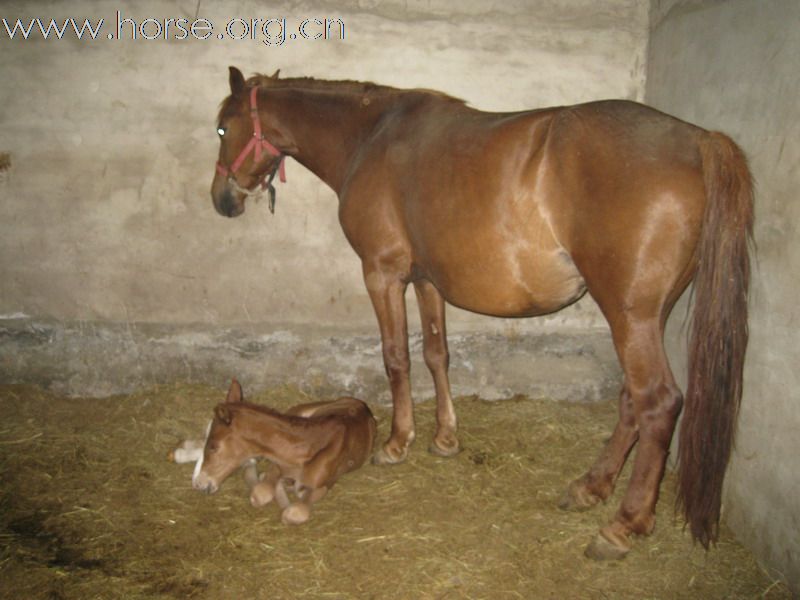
(310,83)
(344,86)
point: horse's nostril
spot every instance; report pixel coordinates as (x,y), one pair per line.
(228,206)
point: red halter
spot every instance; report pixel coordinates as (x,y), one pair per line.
(257,144)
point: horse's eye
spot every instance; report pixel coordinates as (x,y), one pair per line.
(212,448)
(221,131)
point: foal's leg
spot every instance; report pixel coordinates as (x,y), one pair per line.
(187,451)
(299,512)
(263,491)
(387,292)
(656,402)
(437,359)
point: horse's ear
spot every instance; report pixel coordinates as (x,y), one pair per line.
(223,414)
(236,80)
(275,74)
(235,393)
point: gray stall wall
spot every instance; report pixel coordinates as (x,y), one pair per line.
(117,271)
(106,213)
(734,66)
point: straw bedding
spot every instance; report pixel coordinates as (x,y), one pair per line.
(91,508)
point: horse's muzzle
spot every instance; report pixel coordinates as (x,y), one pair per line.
(227,204)
(204,484)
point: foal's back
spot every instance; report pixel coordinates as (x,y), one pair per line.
(358,429)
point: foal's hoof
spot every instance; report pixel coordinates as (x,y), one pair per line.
(602,548)
(296,514)
(577,497)
(262,494)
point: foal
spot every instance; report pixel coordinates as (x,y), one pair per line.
(309,447)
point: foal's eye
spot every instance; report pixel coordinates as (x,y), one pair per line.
(212,448)
(221,131)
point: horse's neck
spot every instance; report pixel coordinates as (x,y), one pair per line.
(281,438)
(328,127)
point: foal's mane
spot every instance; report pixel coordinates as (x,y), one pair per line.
(345,86)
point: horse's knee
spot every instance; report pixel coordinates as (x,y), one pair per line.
(436,357)
(396,361)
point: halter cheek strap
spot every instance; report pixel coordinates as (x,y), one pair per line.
(257,144)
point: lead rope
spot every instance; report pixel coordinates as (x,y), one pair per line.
(258,191)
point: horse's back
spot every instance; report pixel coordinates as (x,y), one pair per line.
(505,213)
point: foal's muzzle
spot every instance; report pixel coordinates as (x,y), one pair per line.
(204,485)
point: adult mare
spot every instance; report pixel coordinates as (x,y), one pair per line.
(516,215)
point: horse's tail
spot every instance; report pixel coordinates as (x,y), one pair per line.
(718,336)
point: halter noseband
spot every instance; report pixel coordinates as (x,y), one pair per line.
(257,144)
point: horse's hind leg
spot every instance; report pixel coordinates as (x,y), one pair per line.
(437,359)
(598,483)
(655,402)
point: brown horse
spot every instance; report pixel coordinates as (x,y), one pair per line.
(309,447)
(516,215)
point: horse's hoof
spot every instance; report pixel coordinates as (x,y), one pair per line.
(603,549)
(382,457)
(578,498)
(262,494)
(296,514)
(451,448)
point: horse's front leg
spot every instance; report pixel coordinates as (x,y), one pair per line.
(262,488)
(387,292)
(437,359)
(296,513)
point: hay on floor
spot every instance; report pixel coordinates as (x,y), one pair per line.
(91,508)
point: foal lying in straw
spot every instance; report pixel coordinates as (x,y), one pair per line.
(309,448)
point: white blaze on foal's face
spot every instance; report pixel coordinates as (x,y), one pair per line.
(200,482)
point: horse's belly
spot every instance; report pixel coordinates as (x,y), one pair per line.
(513,284)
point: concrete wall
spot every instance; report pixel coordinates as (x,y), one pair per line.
(734,66)
(106,224)
(106,215)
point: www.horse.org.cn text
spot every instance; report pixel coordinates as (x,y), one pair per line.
(270,31)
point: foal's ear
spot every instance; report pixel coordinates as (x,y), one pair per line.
(223,414)
(236,80)
(235,393)
(275,74)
